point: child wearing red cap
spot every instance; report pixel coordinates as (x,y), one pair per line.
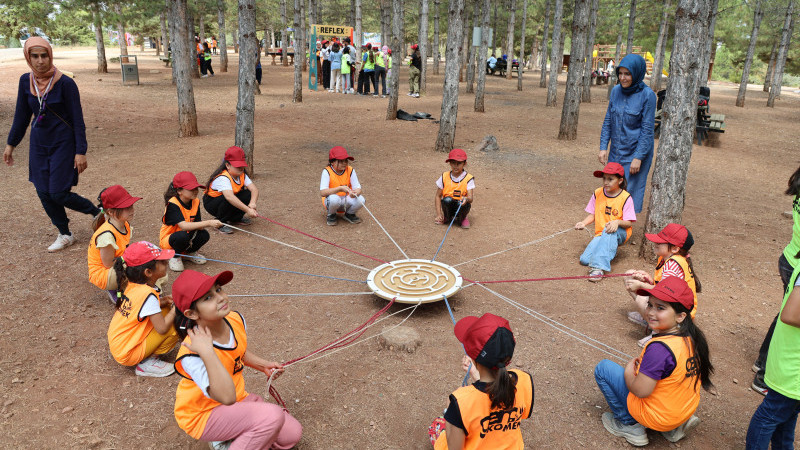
(339,187)
(612,211)
(141,328)
(659,389)
(112,234)
(231,196)
(672,246)
(488,413)
(182,228)
(211,403)
(414,71)
(453,188)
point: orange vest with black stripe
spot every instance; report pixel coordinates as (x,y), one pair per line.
(337,180)
(453,189)
(189,215)
(127,332)
(237,184)
(688,275)
(192,407)
(98,274)
(607,209)
(492,429)
(675,398)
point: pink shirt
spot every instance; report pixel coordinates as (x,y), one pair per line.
(628,213)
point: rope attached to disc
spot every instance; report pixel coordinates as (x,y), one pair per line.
(448,230)
(382,228)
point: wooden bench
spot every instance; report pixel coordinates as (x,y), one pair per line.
(713,123)
(166,58)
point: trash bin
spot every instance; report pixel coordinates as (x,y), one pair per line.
(130,68)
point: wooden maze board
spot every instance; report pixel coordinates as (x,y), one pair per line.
(414,281)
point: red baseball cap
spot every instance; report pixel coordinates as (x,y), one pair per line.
(117,197)
(191,285)
(414,47)
(186,180)
(674,234)
(610,169)
(488,340)
(339,152)
(672,290)
(235,156)
(456,154)
(143,252)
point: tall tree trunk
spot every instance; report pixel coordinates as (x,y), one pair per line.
(359,35)
(780,62)
(202,34)
(759,14)
(284,35)
(472,50)
(102,63)
(246,101)
(312,13)
(561,44)
(447,120)
(661,45)
(423,45)
(297,95)
(180,42)
(512,17)
(555,56)
(613,81)
(123,42)
(587,70)
(631,23)
(398,54)
(193,51)
(436,42)
(522,45)
(712,21)
(679,116)
(382,5)
(570,111)
(543,52)
(305,36)
(482,55)
(351,15)
(223,40)
(164,39)
(463,55)
(235,36)
(771,66)
(494,28)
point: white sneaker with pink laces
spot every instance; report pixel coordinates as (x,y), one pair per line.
(154,367)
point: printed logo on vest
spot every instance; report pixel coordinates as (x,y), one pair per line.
(692,367)
(457,193)
(238,365)
(503,420)
(126,307)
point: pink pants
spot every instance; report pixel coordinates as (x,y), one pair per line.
(253,424)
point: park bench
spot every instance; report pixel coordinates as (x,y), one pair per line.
(706,123)
(167,58)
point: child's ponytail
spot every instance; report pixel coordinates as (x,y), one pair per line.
(701,352)
(129,274)
(101,218)
(685,253)
(502,390)
(169,193)
(183,324)
(216,173)
(122,279)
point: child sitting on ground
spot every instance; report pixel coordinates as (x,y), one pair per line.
(454,188)
(339,187)
(612,211)
(231,196)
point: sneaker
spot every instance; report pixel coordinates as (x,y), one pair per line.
(636,317)
(225,229)
(759,385)
(62,241)
(331,220)
(679,433)
(383,96)
(154,367)
(643,341)
(465,224)
(203,76)
(211,75)
(416,95)
(176,264)
(220,445)
(375,95)
(756,367)
(635,434)
(410,94)
(245,221)
(595,275)
(197,258)
(352,218)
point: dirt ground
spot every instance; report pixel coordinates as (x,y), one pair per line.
(60,388)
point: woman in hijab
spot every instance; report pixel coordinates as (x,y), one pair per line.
(628,126)
(58,138)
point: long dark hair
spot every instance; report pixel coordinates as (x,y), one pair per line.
(793,187)
(687,328)
(216,172)
(502,390)
(182,323)
(101,218)
(685,253)
(169,193)
(130,274)
(371,58)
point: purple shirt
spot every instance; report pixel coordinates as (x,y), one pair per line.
(658,362)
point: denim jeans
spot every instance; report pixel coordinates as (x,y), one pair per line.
(610,378)
(773,421)
(602,249)
(785,269)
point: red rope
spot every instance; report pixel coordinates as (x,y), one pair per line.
(321,240)
(578,277)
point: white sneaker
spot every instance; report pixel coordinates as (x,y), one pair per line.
(62,241)
(679,433)
(197,258)
(636,317)
(220,445)
(203,76)
(176,264)
(154,367)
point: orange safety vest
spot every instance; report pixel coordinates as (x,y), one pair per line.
(237,184)
(607,209)
(127,333)
(189,215)
(494,429)
(336,180)
(192,407)
(455,189)
(688,275)
(675,398)
(98,274)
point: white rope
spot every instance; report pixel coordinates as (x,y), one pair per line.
(614,353)
(519,246)
(316,294)
(298,248)
(384,229)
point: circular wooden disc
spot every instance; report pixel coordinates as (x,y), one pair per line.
(414,281)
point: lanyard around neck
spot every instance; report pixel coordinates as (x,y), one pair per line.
(41,96)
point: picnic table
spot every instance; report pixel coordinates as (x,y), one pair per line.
(706,123)
(167,58)
(277,52)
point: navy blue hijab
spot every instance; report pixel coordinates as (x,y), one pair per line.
(638,68)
